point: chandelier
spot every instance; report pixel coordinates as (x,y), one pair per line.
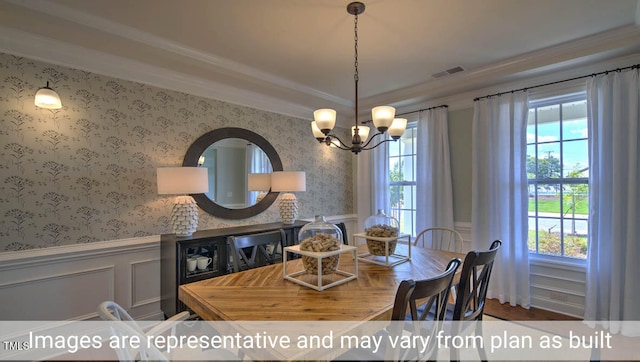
(382,116)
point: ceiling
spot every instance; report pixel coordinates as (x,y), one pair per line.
(293,56)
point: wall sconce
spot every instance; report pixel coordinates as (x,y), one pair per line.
(47,98)
(183,181)
(288,181)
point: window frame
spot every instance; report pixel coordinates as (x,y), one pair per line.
(395,212)
(561,180)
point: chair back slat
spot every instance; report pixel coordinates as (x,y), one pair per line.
(256,250)
(440,238)
(474,280)
(433,294)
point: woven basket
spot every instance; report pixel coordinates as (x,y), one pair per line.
(320,243)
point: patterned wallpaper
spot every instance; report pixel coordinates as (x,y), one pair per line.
(86,172)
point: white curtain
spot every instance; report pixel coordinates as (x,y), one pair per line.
(499,192)
(613,266)
(434,191)
(373,183)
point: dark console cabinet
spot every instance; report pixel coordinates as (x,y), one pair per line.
(174,252)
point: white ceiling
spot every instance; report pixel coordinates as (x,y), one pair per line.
(293,56)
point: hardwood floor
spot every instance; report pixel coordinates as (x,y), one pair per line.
(507,312)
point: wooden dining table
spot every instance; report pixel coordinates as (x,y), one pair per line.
(262,294)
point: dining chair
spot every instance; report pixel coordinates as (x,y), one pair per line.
(343,229)
(256,250)
(401,301)
(429,302)
(112,311)
(398,313)
(472,291)
(440,238)
(430,296)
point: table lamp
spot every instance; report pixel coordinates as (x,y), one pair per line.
(259,182)
(183,181)
(288,181)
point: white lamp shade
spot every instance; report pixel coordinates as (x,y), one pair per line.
(182,180)
(362,130)
(325,119)
(397,127)
(383,117)
(47,98)
(288,181)
(317,133)
(259,181)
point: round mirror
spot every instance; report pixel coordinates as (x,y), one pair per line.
(235,159)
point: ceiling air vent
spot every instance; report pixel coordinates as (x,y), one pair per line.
(448,72)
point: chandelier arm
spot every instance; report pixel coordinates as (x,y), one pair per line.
(381,142)
(342,145)
(371,139)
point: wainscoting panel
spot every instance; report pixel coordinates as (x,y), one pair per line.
(144,290)
(558,287)
(33,298)
(69,282)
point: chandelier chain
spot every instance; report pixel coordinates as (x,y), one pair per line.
(355,38)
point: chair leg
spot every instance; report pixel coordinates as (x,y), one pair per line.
(481,351)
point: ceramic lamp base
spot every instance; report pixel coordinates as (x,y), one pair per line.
(184,216)
(260,197)
(288,208)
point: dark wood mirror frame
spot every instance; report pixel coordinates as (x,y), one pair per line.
(201,144)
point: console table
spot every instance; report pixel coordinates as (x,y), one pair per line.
(174,252)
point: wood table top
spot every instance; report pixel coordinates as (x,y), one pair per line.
(262,294)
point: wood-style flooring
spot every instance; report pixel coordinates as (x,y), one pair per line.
(517,313)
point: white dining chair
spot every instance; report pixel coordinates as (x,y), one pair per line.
(440,238)
(112,311)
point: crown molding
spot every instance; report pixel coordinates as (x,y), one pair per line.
(222,64)
(51,51)
(454,89)
(465,99)
(527,65)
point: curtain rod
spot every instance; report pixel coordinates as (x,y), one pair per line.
(635,66)
(424,109)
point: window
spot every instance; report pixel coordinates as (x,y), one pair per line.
(558,173)
(402,179)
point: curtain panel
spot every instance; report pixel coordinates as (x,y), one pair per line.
(613,265)
(373,183)
(434,190)
(499,192)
